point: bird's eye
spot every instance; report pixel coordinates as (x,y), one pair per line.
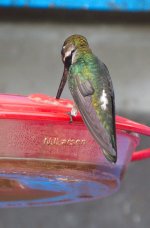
(68,59)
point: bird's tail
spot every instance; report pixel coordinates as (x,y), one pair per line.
(110,157)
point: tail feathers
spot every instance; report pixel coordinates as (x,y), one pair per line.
(109,156)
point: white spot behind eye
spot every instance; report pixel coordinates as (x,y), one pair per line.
(73,57)
(104,100)
(67,53)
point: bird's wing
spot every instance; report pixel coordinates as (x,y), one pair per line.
(105,73)
(103,130)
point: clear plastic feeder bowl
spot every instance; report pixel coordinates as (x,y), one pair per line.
(45,160)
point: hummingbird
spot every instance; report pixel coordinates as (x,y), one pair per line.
(92,90)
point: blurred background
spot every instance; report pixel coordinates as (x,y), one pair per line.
(31,37)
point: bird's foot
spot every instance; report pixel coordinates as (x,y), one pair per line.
(73,112)
(71,119)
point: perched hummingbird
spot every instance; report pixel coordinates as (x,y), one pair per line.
(91,88)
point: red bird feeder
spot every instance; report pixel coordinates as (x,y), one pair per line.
(45,160)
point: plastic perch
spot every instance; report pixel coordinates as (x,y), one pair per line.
(45,160)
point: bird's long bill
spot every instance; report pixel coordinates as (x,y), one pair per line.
(62,83)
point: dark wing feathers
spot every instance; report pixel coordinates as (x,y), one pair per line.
(82,95)
(90,118)
(86,88)
(112,97)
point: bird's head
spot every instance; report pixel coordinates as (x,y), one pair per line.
(70,50)
(70,47)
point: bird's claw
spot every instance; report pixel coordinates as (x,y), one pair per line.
(71,117)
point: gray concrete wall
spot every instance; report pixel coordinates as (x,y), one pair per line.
(30,63)
(30,59)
